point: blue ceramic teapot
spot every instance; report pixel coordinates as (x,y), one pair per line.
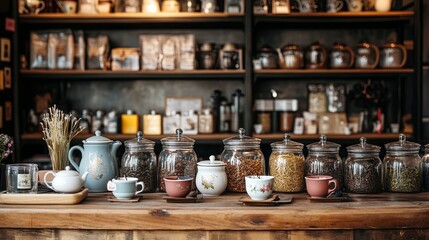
(99,159)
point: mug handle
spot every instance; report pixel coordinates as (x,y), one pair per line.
(352,56)
(377,56)
(336,185)
(40,7)
(111,186)
(141,184)
(46,182)
(339,5)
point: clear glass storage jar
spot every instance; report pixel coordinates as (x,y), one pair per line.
(363,168)
(426,168)
(323,159)
(139,161)
(403,166)
(177,158)
(286,165)
(243,157)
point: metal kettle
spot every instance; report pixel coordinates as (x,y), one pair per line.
(291,56)
(393,55)
(367,55)
(316,56)
(341,56)
(268,58)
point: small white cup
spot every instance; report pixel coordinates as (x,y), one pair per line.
(259,187)
(124,188)
(70,6)
(103,8)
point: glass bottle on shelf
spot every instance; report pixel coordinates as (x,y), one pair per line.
(243,157)
(286,164)
(403,171)
(177,158)
(139,161)
(324,159)
(363,168)
(426,168)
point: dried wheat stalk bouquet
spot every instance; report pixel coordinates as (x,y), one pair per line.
(58,130)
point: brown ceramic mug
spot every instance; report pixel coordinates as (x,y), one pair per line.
(320,185)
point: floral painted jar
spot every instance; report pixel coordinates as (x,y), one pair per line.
(211,178)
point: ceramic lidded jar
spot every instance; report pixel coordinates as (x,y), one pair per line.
(363,168)
(177,158)
(139,161)
(286,165)
(402,166)
(243,157)
(211,177)
(324,159)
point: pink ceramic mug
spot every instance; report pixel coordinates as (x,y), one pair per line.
(319,185)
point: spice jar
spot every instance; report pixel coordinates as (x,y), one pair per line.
(363,168)
(243,157)
(177,158)
(323,159)
(402,166)
(286,165)
(139,161)
(426,168)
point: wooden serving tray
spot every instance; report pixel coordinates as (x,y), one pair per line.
(43,198)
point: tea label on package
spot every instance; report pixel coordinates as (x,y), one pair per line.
(24,181)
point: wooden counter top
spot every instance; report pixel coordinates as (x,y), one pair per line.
(363,212)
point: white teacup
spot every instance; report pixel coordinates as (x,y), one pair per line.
(124,188)
(259,187)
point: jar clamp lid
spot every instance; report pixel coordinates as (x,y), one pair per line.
(323,146)
(241,140)
(287,144)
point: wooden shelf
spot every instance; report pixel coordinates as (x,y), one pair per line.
(340,17)
(331,137)
(133,75)
(332,73)
(215,137)
(130,18)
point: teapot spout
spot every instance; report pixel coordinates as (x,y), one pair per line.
(281,59)
(83,177)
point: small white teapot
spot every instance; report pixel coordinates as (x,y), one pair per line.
(66,181)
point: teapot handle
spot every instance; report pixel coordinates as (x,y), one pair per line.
(46,182)
(377,56)
(70,155)
(325,58)
(404,54)
(352,56)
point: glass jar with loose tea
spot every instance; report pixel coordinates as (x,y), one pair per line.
(363,168)
(243,157)
(403,170)
(426,168)
(323,159)
(139,161)
(286,164)
(177,158)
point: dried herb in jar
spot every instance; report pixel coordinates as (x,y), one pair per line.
(288,171)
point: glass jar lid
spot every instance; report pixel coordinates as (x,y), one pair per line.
(178,140)
(97,138)
(287,144)
(363,147)
(241,140)
(139,141)
(402,145)
(323,146)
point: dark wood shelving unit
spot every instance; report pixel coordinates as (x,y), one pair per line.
(332,73)
(133,75)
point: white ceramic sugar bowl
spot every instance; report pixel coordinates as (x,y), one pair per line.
(211,177)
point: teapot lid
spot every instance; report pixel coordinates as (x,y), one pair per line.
(97,138)
(241,139)
(139,141)
(229,47)
(363,147)
(402,145)
(178,139)
(287,144)
(67,173)
(291,46)
(323,146)
(207,47)
(267,49)
(211,163)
